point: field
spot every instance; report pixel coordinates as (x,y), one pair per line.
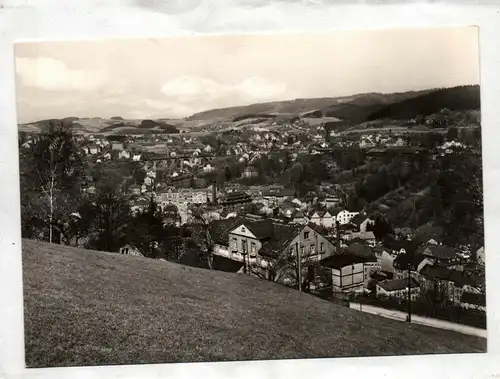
(85,307)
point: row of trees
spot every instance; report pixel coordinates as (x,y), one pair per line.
(55,209)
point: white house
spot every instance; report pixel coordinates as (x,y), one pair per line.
(349,272)
(480,256)
(344,217)
(398,288)
(361,222)
(130,249)
(331,201)
(323,218)
(117,146)
(125,154)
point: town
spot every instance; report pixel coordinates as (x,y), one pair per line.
(386,212)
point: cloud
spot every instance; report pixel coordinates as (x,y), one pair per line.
(188,89)
(53,75)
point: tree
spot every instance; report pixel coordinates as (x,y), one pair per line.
(452,134)
(113,216)
(458,196)
(75,226)
(380,228)
(283,267)
(146,230)
(227,174)
(53,170)
(199,223)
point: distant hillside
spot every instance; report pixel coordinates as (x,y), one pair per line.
(106,126)
(85,307)
(455,99)
(353,108)
(358,109)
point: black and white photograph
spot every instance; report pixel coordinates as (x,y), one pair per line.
(246,197)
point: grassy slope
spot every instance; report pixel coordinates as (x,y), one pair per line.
(87,308)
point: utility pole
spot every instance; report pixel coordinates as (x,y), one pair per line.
(299,268)
(409,289)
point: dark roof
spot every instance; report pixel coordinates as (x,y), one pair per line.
(338,261)
(262,229)
(359,219)
(288,204)
(346,227)
(319,213)
(426,232)
(282,238)
(401,261)
(318,229)
(438,251)
(360,250)
(409,246)
(398,284)
(442,273)
(298,214)
(236,196)
(280,193)
(474,298)
(219,229)
(358,240)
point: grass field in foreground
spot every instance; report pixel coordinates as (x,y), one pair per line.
(85,307)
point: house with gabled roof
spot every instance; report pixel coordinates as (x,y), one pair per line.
(398,288)
(299,217)
(350,270)
(260,243)
(344,217)
(438,253)
(361,222)
(322,218)
(131,250)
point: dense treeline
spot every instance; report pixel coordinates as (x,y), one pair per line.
(456,99)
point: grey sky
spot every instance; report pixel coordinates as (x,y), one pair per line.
(178,76)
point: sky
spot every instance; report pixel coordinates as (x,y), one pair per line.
(177,76)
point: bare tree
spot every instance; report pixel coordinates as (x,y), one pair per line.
(284,267)
(53,169)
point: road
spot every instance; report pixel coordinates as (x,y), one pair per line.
(435,323)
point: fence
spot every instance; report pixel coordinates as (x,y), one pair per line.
(451,313)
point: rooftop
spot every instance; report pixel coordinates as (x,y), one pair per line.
(398,284)
(337,261)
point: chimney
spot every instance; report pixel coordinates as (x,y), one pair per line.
(214,193)
(337,226)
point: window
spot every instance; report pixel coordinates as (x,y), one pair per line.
(306,235)
(244,245)
(302,250)
(253,247)
(235,243)
(322,247)
(243,230)
(311,249)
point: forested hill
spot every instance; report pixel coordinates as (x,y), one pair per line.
(456,99)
